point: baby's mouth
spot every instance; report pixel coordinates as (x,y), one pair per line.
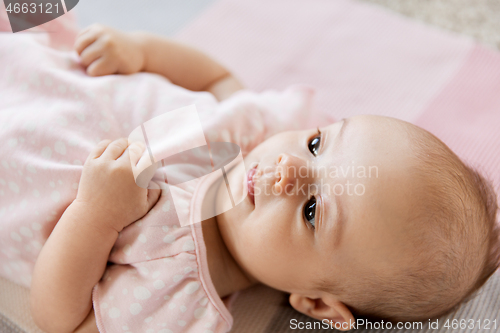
(251,184)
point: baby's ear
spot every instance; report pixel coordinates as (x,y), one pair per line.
(324,307)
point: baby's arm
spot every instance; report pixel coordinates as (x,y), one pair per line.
(71,262)
(74,257)
(104,50)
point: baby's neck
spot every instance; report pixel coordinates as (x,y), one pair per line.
(225,273)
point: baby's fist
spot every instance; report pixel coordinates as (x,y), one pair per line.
(104,51)
(107,187)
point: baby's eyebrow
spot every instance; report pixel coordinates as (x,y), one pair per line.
(340,136)
(339,220)
(338,139)
(325,144)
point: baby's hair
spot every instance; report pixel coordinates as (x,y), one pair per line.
(457,237)
(492,260)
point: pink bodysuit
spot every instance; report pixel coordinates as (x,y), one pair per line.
(52,114)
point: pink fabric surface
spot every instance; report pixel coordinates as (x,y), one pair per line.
(363,59)
(360,58)
(466,113)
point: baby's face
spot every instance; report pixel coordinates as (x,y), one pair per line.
(327,206)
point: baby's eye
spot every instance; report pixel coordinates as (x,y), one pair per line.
(310,211)
(314,145)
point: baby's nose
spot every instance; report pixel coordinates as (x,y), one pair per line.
(288,160)
(287,170)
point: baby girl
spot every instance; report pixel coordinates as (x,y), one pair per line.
(404,231)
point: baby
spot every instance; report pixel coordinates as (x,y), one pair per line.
(369,216)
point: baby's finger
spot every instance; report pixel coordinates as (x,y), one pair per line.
(92,52)
(144,171)
(98,150)
(143,163)
(154,193)
(136,150)
(102,66)
(115,149)
(84,40)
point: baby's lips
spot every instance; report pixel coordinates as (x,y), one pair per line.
(251,183)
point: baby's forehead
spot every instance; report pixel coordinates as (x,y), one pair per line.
(365,143)
(379,133)
(375,162)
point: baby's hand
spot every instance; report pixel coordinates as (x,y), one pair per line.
(107,188)
(104,50)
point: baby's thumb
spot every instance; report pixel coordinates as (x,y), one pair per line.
(154,193)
